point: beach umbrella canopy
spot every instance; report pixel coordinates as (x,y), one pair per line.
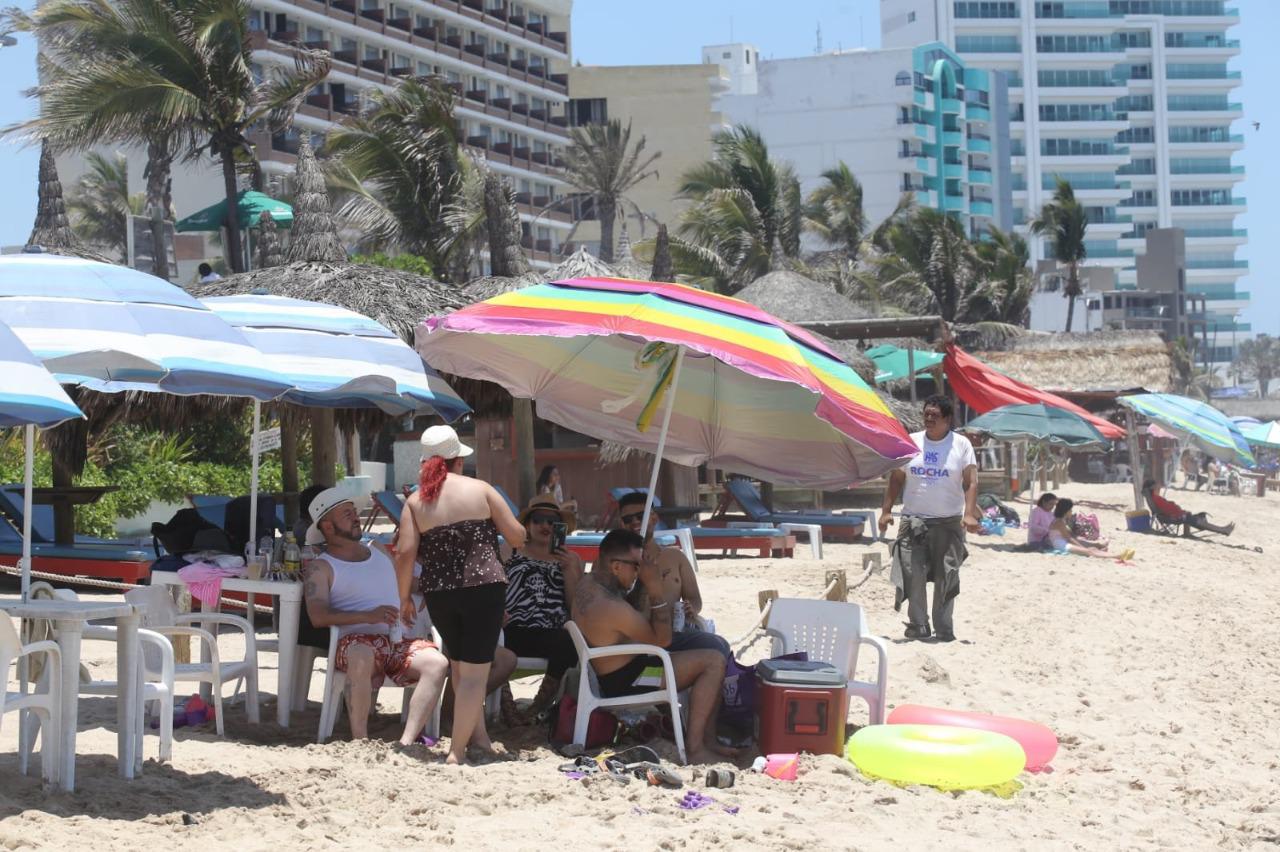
(108,327)
(249,206)
(892,362)
(1037,422)
(336,358)
(732,385)
(1263,434)
(1200,423)
(29,397)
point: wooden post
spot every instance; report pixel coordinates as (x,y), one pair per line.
(522,420)
(1008,470)
(1135,457)
(289,463)
(911,369)
(324,449)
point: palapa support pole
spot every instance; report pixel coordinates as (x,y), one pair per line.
(28,481)
(254,450)
(662,440)
(1135,457)
(911,369)
(522,425)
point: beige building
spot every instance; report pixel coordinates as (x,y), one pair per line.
(671,107)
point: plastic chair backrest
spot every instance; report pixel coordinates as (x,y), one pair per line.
(157,606)
(748,498)
(580,644)
(41,515)
(828,630)
(10,645)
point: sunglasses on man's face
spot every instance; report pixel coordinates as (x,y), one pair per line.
(632,518)
(543,519)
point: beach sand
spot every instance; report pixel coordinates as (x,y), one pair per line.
(1160,677)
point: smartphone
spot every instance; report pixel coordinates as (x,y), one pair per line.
(559,531)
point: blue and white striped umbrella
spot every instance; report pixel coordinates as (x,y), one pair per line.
(1202,424)
(337,358)
(29,394)
(92,323)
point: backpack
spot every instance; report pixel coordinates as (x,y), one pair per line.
(236,521)
(187,532)
(987,500)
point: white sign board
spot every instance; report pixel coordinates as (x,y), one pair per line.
(267,440)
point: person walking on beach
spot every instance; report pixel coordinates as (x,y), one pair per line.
(451,525)
(939,490)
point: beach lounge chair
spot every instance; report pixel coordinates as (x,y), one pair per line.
(743,492)
(1160,522)
(832,631)
(161,616)
(45,705)
(120,561)
(766,539)
(589,697)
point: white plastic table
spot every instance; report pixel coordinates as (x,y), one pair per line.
(69,618)
(290,594)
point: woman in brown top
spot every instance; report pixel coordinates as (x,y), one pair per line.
(450,525)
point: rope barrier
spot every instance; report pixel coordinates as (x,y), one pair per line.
(109,584)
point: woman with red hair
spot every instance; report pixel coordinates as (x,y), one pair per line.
(450,526)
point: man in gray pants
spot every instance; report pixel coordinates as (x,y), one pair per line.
(939,489)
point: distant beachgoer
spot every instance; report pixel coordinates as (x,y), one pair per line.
(450,525)
(939,489)
(1176,514)
(549,483)
(1040,521)
(206,273)
(1062,537)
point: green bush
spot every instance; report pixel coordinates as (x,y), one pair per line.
(403,262)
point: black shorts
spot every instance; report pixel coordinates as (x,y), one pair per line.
(469,620)
(623,681)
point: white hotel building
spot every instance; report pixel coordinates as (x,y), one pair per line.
(1130,100)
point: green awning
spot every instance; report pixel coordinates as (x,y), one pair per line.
(249,205)
(891,362)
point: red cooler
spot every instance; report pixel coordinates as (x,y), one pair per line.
(802,706)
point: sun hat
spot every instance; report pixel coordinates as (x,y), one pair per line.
(321,505)
(547,502)
(442,441)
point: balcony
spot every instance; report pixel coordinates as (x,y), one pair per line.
(348,6)
(980,176)
(376,64)
(400,70)
(1217,264)
(481,142)
(478,95)
(346,56)
(979,144)
(404,24)
(378,16)
(978,207)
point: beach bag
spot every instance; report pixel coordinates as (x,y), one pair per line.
(236,521)
(187,532)
(1086,527)
(603,727)
(739,694)
(1008,514)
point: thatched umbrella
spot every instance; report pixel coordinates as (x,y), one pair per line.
(52,230)
(626,265)
(318,270)
(663,268)
(269,249)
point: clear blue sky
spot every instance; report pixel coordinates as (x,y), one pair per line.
(611,32)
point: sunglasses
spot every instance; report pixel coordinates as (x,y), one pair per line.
(631,518)
(544,519)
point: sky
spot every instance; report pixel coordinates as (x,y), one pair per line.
(663,32)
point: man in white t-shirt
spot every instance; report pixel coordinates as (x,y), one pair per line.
(939,489)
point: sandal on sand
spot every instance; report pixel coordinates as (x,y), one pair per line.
(1126,555)
(656,775)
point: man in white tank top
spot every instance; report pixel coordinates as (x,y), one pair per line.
(354,588)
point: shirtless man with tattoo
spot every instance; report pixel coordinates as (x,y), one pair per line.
(601,610)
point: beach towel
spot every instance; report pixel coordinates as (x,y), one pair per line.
(204,580)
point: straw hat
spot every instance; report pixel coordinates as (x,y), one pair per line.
(546,501)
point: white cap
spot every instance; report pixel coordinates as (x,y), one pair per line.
(442,441)
(320,506)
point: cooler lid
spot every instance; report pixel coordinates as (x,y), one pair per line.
(799,673)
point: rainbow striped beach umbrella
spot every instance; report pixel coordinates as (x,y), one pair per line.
(735,386)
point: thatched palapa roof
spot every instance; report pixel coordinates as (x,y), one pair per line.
(52,230)
(1097,362)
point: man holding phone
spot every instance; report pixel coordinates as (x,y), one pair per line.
(541,579)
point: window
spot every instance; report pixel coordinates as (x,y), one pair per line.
(903,79)
(747,53)
(911,17)
(726,55)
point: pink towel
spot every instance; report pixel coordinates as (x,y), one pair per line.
(204,580)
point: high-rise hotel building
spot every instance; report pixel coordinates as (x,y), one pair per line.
(1129,100)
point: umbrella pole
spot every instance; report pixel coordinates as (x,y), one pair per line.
(1135,458)
(28,477)
(253,478)
(662,441)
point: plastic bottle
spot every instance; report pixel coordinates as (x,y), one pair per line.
(292,557)
(309,552)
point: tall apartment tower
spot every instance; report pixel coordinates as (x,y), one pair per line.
(1129,100)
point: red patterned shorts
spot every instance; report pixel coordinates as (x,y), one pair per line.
(388,661)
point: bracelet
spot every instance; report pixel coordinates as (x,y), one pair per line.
(658,606)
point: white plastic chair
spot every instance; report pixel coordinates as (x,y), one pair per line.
(159,691)
(44,705)
(831,631)
(589,697)
(161,616)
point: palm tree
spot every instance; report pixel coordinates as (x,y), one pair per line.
(1063,222)
(1259,359)
(746,212)
(1006,262)
(601,162)
(925,264)
(100,205)
(401,169)
(833,211)
(131,70)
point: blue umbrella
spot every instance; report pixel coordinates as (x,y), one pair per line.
(1263,434)
(98,325)
(1200,423)
(30,397)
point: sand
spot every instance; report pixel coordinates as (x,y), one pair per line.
(1160,678)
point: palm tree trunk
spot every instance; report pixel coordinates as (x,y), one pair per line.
(1073,290)
(232,223)
(158,174)
(608,212)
